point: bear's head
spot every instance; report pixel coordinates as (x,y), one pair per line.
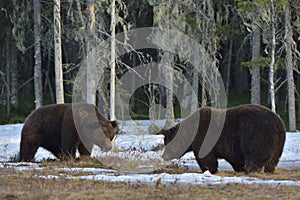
(100,133)
(93,127)
(110,128)
(169,133)
(176,150)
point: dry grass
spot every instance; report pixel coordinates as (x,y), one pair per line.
(79,163)
(36,188)
(16,184)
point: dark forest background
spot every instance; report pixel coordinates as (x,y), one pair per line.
(227,25)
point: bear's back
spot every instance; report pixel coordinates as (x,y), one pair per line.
(48,115)
(256,117)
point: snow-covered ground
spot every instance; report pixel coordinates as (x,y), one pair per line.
(137,144)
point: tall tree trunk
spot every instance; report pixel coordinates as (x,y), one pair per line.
(58,54)
(289,68)
(168,62)
(91,57)
(91,39)
(255,70)
(37,55)
(113,62)
(271,72)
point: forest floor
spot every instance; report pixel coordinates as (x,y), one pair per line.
(37,184)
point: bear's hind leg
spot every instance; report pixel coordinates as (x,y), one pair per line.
(254,160)
(269,168)
(273,161)
(271,164)
(251,166)
(256,152)
(68,152)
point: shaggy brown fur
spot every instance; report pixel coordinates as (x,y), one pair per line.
(53,128)
(252,138)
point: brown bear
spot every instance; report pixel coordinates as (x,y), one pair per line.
(62,128)
(252,138)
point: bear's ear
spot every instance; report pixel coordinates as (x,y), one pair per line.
(114,123)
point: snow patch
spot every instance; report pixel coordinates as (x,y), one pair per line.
(136,144)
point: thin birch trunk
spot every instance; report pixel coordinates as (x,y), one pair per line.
(271,72)
(113,62)
(289,68)
(168,61)
(91,60)
(58,54)
(37,55)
